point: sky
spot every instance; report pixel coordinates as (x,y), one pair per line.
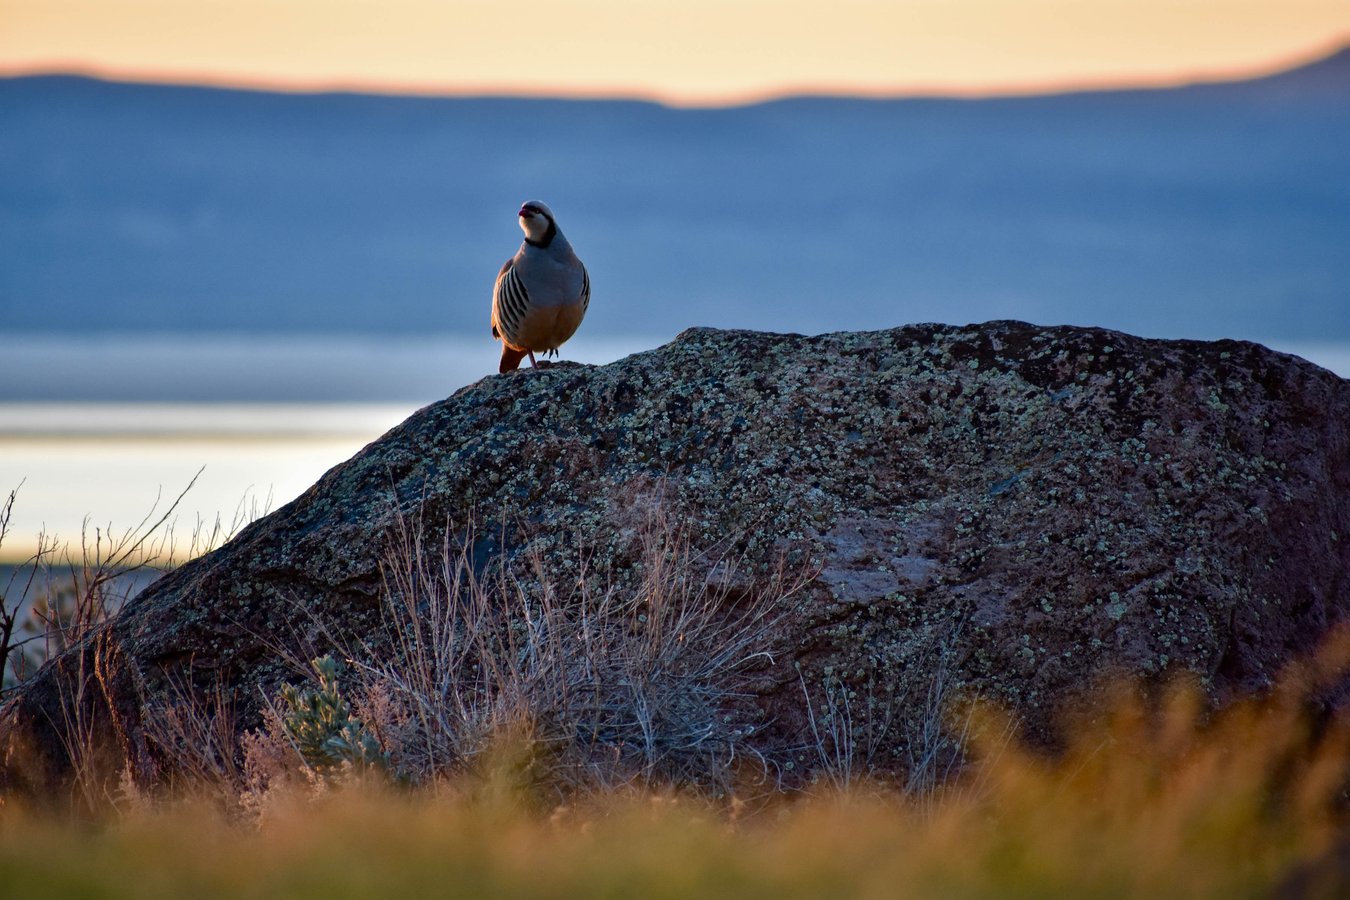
(678,51)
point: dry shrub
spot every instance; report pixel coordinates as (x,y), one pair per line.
(64,592)
(851,725)
(54,611)
(605,684)
(199,731)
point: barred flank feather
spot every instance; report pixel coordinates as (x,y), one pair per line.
(512,302)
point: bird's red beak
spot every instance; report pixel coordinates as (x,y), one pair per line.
(525,212)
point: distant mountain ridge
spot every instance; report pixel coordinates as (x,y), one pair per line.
(1205,210)
(1326,77)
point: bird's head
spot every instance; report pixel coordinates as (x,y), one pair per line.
(536,220)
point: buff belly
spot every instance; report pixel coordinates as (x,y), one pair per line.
(546,328)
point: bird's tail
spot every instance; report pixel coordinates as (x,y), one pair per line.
(511,358)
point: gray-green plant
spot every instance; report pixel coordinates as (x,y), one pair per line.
(319,722)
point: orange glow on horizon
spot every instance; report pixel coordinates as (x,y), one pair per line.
(688,52)
(322,84)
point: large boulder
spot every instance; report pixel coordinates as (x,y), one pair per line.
(1020,510)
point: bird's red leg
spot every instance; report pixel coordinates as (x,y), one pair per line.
(533,364)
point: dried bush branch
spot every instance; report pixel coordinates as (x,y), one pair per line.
(610,684)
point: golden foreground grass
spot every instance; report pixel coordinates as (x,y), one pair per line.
(1151,797)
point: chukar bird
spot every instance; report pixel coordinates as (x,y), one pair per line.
(541,293)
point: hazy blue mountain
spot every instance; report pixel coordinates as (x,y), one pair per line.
(1209,210)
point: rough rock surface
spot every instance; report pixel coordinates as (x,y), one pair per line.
(1029,507)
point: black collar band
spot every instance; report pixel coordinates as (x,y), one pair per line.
(547,238)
